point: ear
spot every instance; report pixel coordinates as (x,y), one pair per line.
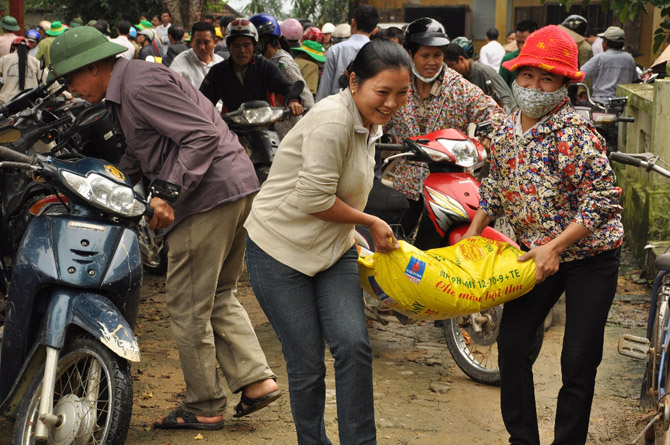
(92,68)
(353,81)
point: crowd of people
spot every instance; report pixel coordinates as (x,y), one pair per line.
(549,176)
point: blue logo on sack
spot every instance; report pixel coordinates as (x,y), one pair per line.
(415,270)
(379,292)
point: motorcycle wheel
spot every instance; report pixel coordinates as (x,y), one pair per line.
(95,411)
(157,264)
(476,353)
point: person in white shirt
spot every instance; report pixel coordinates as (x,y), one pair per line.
(595,41)
(493,52)
(123,29)
(162,32)
(363,24)
(195,63)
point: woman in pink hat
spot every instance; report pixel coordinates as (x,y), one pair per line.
(551,178)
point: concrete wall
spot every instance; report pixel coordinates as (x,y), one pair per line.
(646,195)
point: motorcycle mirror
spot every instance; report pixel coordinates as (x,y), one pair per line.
(164,190)
(295,90)
(484,128)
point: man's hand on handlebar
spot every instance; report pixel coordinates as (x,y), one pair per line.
(163,214)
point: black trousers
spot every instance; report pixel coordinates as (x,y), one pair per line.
(589,286)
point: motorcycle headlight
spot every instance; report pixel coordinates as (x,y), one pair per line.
(465,152)
(258,116)
(104,193)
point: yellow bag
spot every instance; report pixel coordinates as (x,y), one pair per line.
(475,274)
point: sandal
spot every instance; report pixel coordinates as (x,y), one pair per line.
(190,422)
(254,405)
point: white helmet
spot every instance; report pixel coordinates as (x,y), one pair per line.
(328,28)
(342,31)
(241,27)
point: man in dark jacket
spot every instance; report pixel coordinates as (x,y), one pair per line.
(244,76)
(177,46)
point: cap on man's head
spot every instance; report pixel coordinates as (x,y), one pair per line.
(78,48)
(9,23)
(56,29)
(614,34)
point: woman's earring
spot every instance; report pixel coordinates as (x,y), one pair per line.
(353,91)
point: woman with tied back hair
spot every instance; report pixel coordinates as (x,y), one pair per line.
(301,256)
(20,70)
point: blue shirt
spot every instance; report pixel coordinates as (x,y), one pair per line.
(609,69)
(337,59)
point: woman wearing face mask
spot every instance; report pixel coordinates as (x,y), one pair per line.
(438,98)
(550,176)
(274,47)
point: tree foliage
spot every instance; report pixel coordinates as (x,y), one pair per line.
(629,10)
(322,11)
(112,11)
(273,7)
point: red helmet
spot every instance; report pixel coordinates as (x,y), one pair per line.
(19,41)
(313,33)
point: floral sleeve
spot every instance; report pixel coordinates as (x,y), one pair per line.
(582,159)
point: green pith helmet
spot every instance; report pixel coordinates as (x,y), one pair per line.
(79,47)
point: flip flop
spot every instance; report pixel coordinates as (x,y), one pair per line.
(254,405)
(190,422)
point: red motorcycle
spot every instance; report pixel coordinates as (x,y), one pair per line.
(450,199)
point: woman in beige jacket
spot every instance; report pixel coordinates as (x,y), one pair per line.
(300,251)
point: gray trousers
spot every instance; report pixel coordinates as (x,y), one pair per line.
(209,324)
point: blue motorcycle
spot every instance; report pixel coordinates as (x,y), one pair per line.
(74,272)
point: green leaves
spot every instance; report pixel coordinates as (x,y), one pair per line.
(322,11)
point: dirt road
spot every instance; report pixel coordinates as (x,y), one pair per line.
(421,395)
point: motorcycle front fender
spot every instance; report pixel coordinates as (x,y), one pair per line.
(95,314)
(263,146)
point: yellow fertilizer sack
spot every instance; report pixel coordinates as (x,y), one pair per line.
(475,274)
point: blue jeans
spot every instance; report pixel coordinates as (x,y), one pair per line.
(304,311)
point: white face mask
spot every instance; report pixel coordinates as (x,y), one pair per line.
(535,103)
(426,79)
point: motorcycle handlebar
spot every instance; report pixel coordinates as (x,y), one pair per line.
(388,146)
(625,159)
(7,154)
(626,119)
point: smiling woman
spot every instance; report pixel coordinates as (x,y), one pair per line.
(300,251)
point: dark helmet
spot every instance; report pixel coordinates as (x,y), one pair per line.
(425,31)
(466,44)
(576,23)
(266,24)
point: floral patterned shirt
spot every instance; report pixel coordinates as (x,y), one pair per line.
(457,104)
(550,176)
